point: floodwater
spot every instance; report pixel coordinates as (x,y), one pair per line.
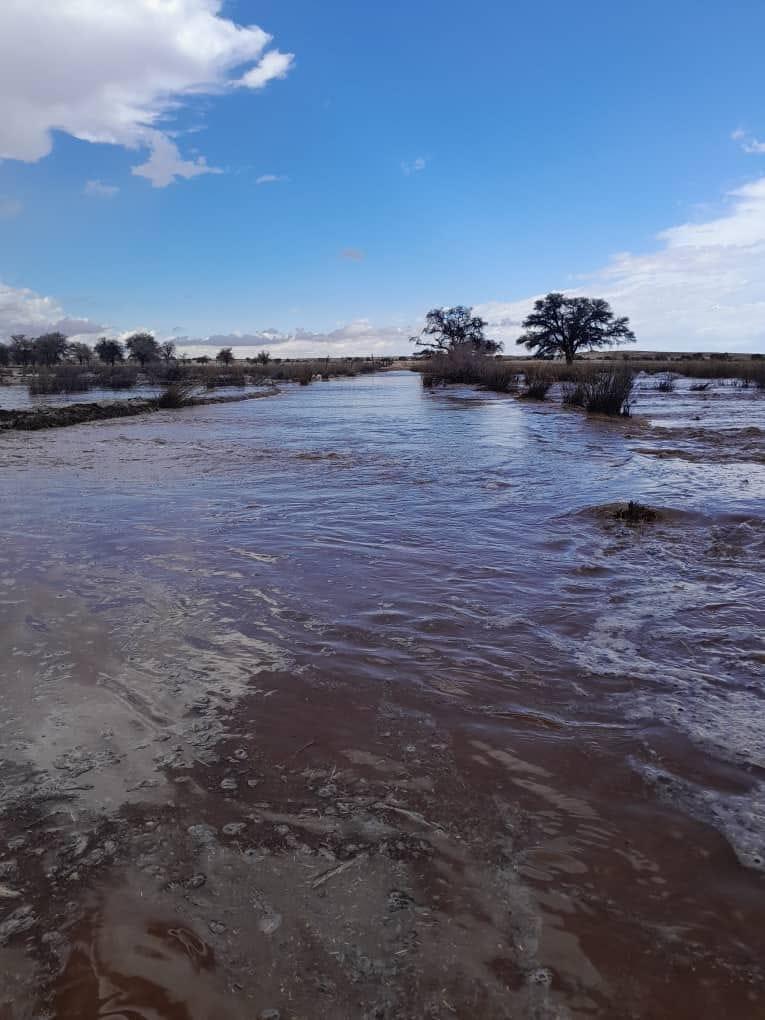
(358,702)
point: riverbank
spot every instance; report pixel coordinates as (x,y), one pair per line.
(53,417)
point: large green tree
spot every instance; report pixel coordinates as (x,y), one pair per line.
(561,325)
(110,351)
(450,329)
(50,348)
(142,347)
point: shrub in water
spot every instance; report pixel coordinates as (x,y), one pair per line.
(601,391)
(177,394)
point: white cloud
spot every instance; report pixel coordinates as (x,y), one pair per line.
(414,166)
(24,311)
(359,337)
(703,288)
(112,69)
(97,189)
(271,178)
(165,163)
(273,65)
(10,208)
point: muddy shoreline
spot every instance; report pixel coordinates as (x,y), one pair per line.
(79,414)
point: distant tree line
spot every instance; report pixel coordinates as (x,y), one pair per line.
(53,349)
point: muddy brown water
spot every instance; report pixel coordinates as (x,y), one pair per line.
(357,702)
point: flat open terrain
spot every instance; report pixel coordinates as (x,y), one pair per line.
(358,702)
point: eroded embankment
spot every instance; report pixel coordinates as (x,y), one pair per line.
(78,414)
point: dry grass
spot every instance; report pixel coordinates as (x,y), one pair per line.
(61,379)
(538,378)
(462,367)
(117,377)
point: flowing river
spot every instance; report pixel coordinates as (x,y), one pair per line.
(359,702)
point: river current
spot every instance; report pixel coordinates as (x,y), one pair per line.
(360,701)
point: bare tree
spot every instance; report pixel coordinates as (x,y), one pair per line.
(447,329)
(81,353)
(167,351)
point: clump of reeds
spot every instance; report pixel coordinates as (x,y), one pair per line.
(666,383)
(601,390)
(538,379)
(61,379)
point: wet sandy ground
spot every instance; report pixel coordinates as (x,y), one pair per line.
(356,703)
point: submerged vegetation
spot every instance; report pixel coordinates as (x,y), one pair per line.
(559,329)
(635,513)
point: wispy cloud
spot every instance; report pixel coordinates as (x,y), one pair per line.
(97,189)
(273,65)
(414,166)
(165,163)
(353,254)
(748,142)
(271,178)
(10,208)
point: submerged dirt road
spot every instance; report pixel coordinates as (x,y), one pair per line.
(357,703)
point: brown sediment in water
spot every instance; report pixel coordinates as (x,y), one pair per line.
(380,742)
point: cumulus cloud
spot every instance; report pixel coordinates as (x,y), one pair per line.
(110,70)
(10,208)
(270,178)
(97,189)
(702,288)
(24,311)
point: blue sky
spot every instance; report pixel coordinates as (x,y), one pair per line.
(427,153)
